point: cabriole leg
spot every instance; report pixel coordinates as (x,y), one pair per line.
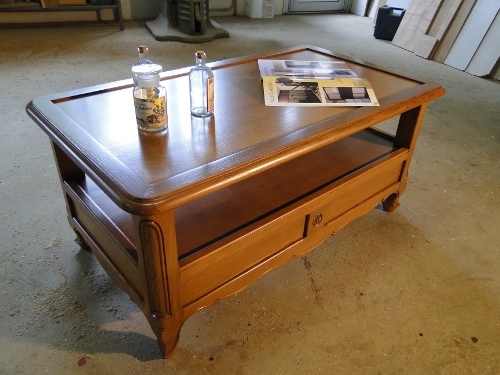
(159,268)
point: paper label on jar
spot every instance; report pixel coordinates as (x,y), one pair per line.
(150,113)
(210,94)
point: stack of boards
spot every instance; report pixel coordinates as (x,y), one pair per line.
(459,33)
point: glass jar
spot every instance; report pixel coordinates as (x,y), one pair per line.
(150,97)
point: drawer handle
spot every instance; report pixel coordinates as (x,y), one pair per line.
(317,220)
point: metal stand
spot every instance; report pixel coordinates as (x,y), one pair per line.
(166,26)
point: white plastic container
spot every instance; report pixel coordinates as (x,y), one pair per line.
(267,8)
(253,8)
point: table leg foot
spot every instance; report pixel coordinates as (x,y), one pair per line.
(81,242)
(167,339)
(391,202)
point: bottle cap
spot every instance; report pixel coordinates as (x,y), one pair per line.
(200,54)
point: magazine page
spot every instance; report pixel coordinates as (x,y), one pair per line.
(294,91)
(311,69)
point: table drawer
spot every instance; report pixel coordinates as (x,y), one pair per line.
(213,268)
(367,187)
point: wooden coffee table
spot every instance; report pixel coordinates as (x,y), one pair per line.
(182,219)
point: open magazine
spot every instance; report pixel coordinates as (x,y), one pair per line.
(314,83)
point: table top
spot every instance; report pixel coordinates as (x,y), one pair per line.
(96,127)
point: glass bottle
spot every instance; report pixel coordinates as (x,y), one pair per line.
(150,97)
(201,87)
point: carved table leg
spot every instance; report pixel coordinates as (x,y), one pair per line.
(391,202)
(406,137)
(81,242)
(159,268)
(167,337)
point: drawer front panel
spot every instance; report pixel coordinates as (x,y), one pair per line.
(230,260)
(354,190)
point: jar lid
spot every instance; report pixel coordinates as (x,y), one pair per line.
(147,69)
(147,75)
(147,80)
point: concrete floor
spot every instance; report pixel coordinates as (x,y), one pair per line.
(412,292)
